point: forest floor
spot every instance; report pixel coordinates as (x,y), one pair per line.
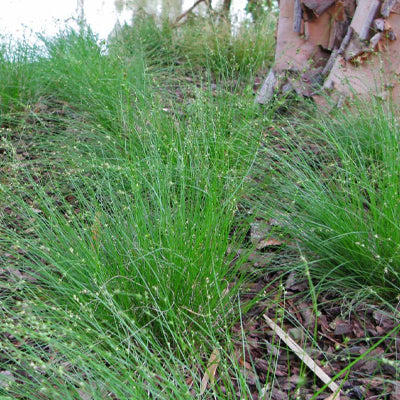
(356,345)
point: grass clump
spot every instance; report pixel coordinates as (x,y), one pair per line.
(154,220)
(338,183)
(154,40)
(18,81)
(240,55)
(202,43)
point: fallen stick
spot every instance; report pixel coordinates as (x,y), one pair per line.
(304,357)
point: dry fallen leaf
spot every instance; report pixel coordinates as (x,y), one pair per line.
(210,371)
(269,243)
(95,230)
(333,396)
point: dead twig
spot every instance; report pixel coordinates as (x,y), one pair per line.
(183,15)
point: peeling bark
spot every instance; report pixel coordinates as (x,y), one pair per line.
(318,7)
(344,45)
(388,6)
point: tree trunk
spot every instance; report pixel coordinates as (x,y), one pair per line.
(345,46)
(226,7)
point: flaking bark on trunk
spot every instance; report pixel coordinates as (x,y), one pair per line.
(346,46)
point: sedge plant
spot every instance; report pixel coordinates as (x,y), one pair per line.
(337,181)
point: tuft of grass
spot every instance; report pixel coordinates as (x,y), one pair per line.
(202,43)
(152,39)
(153,232)
(337,183)
(226,53)
(18,81)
